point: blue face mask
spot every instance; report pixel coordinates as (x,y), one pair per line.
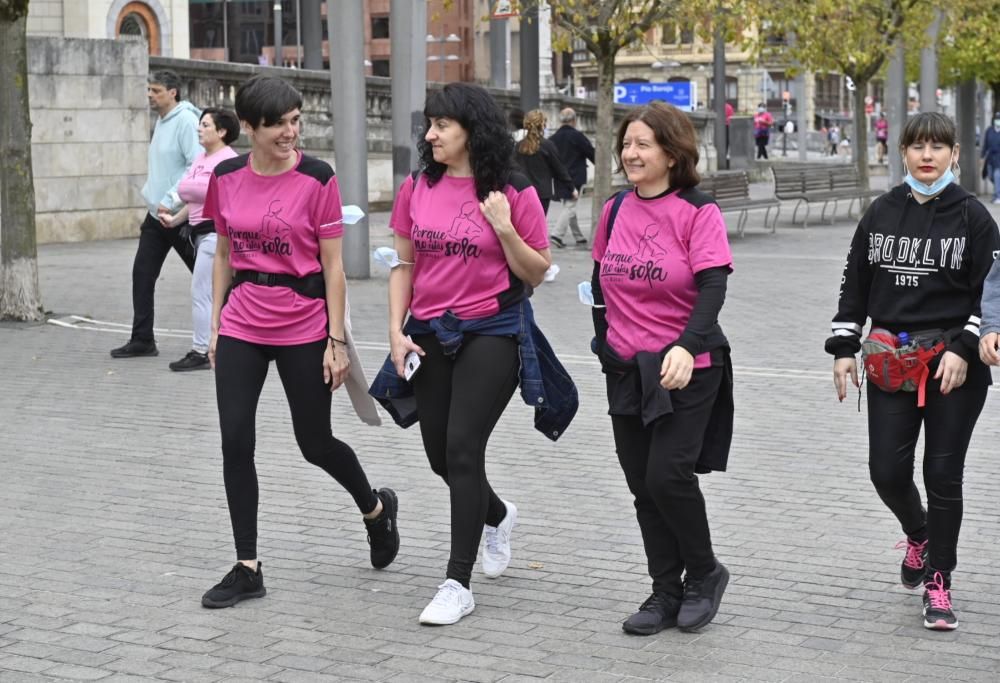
(929,190)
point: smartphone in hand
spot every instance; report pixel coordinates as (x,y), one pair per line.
(410,365)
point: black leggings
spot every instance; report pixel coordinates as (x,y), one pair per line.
(762,147)
(659,462)
(240,370)
(459,402)
(893,426)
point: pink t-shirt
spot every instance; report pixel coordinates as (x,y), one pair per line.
(274,225)
(459,264)
(194,184)
(881,129)
(647,271)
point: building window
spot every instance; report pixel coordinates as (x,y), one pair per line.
(380,27)
(380,67)
(133,25)
(668,33)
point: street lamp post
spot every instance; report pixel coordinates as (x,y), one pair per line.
(278,47)
(443,57)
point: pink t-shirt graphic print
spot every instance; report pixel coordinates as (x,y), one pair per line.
(647,271)
(274,225)
(459,264)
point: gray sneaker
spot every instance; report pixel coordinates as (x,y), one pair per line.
(702,597)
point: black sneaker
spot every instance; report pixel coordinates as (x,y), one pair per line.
(657,613)
(241,583)
(580,242)
(912,571)
(557,241)
(938,612)
(192,361)
(383,536)
(135,348)
(702,597)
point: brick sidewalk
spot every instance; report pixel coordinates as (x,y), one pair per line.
(114,520)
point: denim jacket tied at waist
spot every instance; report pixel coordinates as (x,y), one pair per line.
(545,383)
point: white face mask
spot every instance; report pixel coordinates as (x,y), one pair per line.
(930,190)
(388,257)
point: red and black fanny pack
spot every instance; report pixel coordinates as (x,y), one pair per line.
(892,367)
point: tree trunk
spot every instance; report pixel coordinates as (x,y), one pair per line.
(995,88)
(19,299)
(604,149)
(860,146)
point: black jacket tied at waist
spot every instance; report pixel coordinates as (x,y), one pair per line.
(634,389)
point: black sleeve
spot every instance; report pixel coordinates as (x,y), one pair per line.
(587,146)
(852,307)
(711,284)
(598,310)
(556,165)
(985,243)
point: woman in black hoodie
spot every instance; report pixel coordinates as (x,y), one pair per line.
(916,266)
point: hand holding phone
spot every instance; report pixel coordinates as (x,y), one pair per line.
(410,365)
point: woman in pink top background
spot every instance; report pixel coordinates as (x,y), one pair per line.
(217,129)
(661,263)
(472,239)
(279,294)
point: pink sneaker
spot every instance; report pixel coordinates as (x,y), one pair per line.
(938,612)
(914,562)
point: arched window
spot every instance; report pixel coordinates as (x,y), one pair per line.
(133,25)
(138,19)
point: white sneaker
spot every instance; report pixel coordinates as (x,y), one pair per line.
(996,201)
(496,553)
(452,602)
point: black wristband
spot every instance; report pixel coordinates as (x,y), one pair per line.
(334,339)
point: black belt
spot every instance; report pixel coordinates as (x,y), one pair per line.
(312,286)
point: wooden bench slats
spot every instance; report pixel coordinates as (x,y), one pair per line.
(819,183)
(731,191)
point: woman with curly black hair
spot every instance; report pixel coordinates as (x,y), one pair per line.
(472,241)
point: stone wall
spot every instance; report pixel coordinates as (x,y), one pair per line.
(45,18)
(90,131)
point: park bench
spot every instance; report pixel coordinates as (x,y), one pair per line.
(825,184)
(731,190)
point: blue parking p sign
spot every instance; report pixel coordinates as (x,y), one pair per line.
(681,94)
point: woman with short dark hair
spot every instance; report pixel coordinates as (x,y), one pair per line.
(661,262)
(471,238)
(217,129)
(280,295)
(916,268)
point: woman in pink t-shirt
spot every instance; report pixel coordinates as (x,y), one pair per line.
(279,293)
(661,261)
(472,239)
(217,129)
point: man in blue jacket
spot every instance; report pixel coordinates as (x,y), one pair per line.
(171,151)
(991,156)
(574,151)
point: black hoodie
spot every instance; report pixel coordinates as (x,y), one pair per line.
(915,267)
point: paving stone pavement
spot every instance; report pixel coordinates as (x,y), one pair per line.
(113,518)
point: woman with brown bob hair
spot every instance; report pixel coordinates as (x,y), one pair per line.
(661,261)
